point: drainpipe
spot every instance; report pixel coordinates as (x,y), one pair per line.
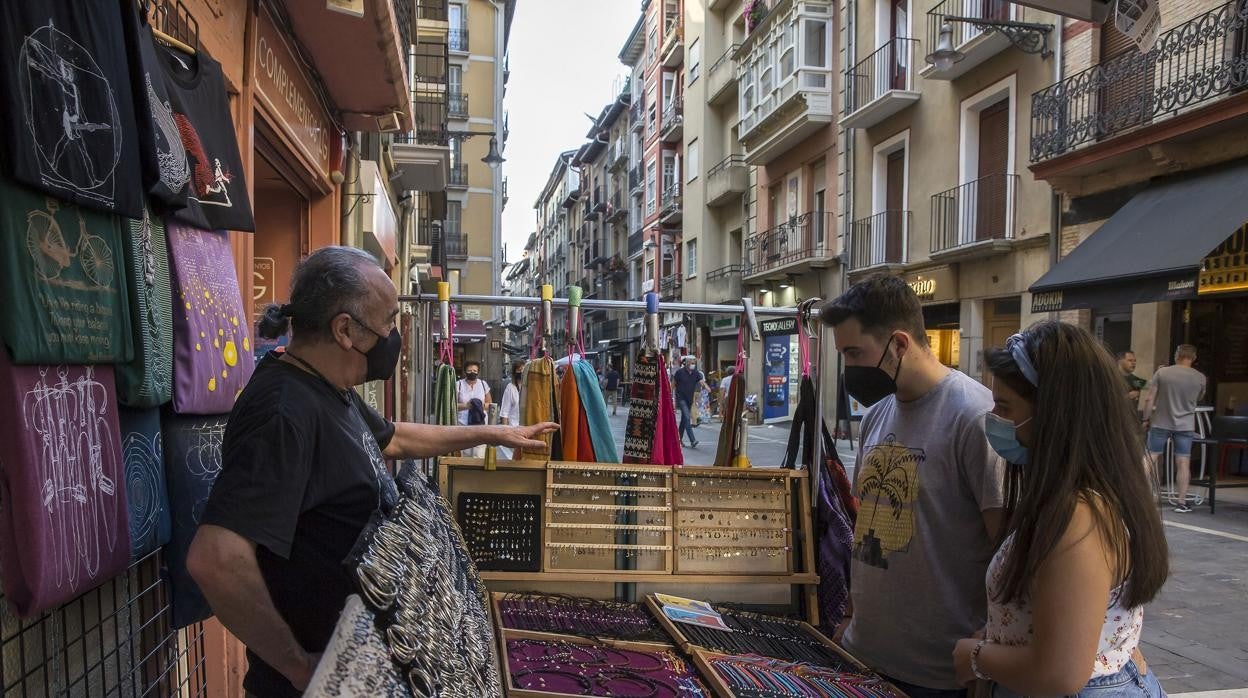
(1059,74)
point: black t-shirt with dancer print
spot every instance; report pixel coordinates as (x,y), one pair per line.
(301,473)
(166,170)
(68,116)
(217,198)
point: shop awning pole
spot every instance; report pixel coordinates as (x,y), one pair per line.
(599,304)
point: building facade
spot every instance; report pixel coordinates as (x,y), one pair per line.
(1146,156)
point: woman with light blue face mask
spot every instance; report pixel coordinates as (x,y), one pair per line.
(1084,550)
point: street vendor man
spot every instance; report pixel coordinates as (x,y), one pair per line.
(304,468)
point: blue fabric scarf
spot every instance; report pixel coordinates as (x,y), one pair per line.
(596,412)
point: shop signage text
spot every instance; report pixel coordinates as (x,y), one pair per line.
(288,91)
(925,289)
(1226,268)
(1046,302)
(264,284)
(786,325)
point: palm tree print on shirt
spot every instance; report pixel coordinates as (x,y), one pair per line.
(887,488)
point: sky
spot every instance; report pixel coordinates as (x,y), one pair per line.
(564,60)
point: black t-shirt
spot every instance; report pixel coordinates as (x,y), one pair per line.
(302,472)
(613,379)
(166,170)
(217,198)
(687,380)
(68,116)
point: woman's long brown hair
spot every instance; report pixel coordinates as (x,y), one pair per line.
(1086,440)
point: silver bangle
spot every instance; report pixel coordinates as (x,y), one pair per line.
(975,660)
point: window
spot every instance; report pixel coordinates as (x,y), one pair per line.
(456,152)
(815,44)
(455,80)
(652,46)
(691,258)
(669,170)
(788,64)
(669,88)
(695,60)
(691,161)
(651,175)
(747,90)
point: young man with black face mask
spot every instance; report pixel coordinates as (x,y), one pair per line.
(930,487)
(303,468)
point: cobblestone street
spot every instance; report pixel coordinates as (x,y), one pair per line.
(1195,632)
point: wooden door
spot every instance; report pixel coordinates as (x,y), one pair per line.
(1127,101)
(991,186)
(899,58)
(894,206)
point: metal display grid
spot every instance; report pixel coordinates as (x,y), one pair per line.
(113,640)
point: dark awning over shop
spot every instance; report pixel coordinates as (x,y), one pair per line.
(1151,249)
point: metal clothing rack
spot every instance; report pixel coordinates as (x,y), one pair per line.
(424,303)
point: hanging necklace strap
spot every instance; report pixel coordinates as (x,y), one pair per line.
(344,394)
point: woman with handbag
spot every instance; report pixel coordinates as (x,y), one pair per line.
(1084,548)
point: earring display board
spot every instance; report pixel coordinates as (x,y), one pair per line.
(502,531)
(733,521)
(610,523)
(600,512)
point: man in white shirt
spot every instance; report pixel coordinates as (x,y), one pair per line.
(509,412)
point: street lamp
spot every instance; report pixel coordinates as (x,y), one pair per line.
(492,158)
(1027,37)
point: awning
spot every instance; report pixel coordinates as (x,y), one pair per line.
(1151,249)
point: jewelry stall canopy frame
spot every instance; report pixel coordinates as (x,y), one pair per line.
(747,309)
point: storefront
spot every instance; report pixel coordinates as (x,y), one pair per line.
(937,289)
(1146,287)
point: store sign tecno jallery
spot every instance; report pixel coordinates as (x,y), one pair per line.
(289,94)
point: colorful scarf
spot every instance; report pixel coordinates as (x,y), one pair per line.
(539,402)
(643,410)
(595,406)
(667,437)
(733,407)
(445,411)
(570,415)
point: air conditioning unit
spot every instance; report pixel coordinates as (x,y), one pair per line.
(388,123)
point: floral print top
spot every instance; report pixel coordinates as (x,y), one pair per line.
(1010,623)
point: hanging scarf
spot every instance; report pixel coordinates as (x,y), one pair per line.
(734,405)
(601,438)
(802,433)
(570,415)
(643,410)
(539,398)
(667,449)
(445,410)
(836,509)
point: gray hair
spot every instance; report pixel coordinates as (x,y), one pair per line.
(329,281)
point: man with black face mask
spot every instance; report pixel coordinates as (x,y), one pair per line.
(303,468)
(930,487)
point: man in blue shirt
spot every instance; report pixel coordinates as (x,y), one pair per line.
(688,381)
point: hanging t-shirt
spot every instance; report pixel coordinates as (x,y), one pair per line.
(212,357)
(303,472)
(166,170)
(63,518)
(147,381)
(217,198)
(144,456)
(62,281)
(68,116)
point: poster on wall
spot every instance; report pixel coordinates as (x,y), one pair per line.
(63,280)
(64,525)
(777,363)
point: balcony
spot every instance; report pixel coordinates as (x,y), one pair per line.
(431,10)
(454,242)
(785,81)
(572,196)
(636,114)
(673,121)
(616,268)
(723,273)
(975,220)
(428,65)
(669,287)
(635,241)
(881,85)
(457,105)
(617,155)
(673,51)
(976,44)
(361,63)
(726,282)
(879,242)
(727,181)
(428,117)
(457,39)
(721,79)
(1197,62)
(797,245)
(672,211)
(599,200)
(505,197)
(634,180)
(619,207)
(458,177)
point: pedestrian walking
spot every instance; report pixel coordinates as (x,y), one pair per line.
(611,388)
(1084,548)
(1174,393)
(688,382)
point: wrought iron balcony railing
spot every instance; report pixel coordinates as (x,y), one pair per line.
(723,71)
(879,239)
(433,10)
(808,236)
(996,10)
(670,286)
(635,240)
(457,104)
(724,272)
(1197,61)
(889,68)
(458,40)
(977,211)
(634,179)
(455,243)
(637,112)
(457,176)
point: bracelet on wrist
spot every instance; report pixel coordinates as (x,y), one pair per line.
(975,660)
